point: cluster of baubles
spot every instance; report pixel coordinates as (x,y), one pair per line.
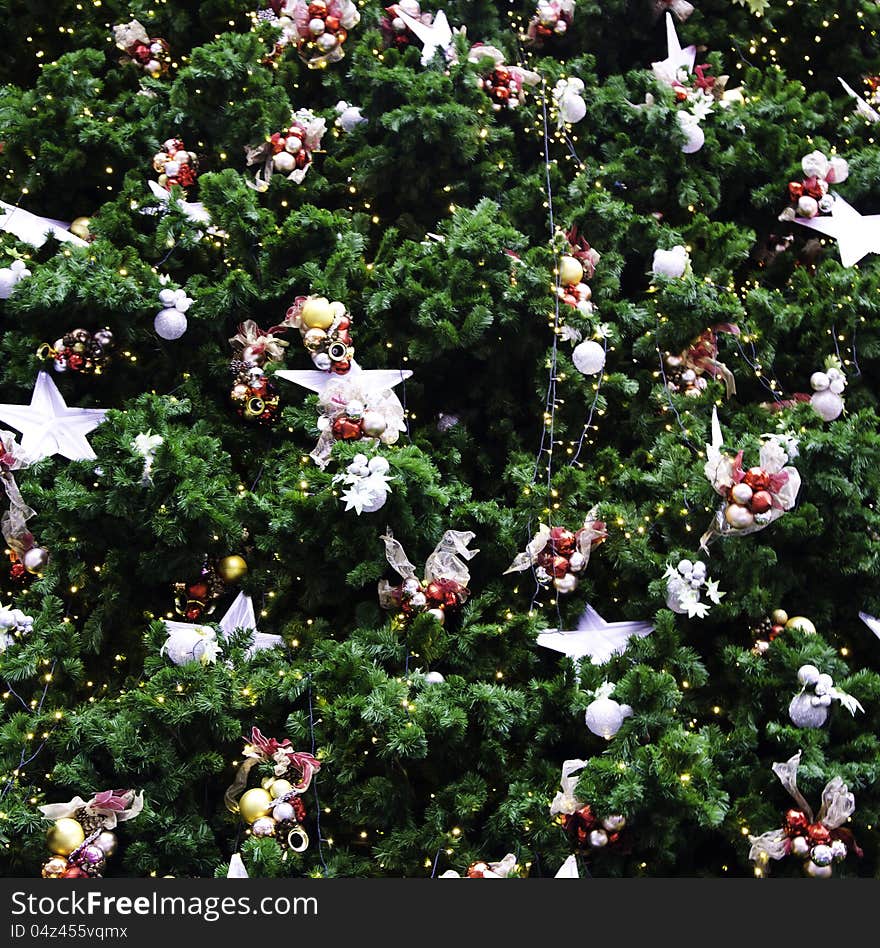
(395,29)
(828,387)
(749,500)
(152,55)
(772,626)
(324,327)
(27,562)
(813,843)
(80,350)
(436,597)
(253,395)
(290,149)
(573,291)
(321,28)
(170,322)
(551,18)
(72,857)
(176,165)
(811,195)
(682,378)
(560,561)
(588,831)
(13,625)
(276,809)
(197,598)
(810,706)
(503,86)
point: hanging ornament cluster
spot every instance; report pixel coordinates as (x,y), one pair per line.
(81,837)
(557,555)
(80,350)
(26,557)
(11,276)
(325,330)
(395,30)
(689,372)
(809,707)
(152,55)
(551,18)
(575,267)
(348,117)
(812,195)
(696,91)
(569,102)
(197,598)
(14,625)
(828,386)
(176,165)
(320,28)
(755,497)
(503,84)
(504,868)
(586,830)
(685,584)
(289,152)
(367,483)
(170,322)
(446,576)
(772,626)
(275,808)
(253,395)
(605,716)
(820,841)
(673,263)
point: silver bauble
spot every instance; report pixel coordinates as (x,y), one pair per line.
(170,324)
(605,716)
(804,714)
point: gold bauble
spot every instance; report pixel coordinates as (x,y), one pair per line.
(267,782)
(232,568)
(254,804)
(81,228)
(278,788)
(570,271)
(317,313)
(54,868)
(801,624)
(65,836)
(779,617)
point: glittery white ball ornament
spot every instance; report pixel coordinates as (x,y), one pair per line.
(588,357)
(804,713)
(605,716)
(434,678)
(170,324)
(826,404)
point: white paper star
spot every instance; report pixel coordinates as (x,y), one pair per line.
(240,615)
(569,869)
(676,57)
(33,229)
(856,235)
(375,379)
(49,427)
(862,108)
(436,36)
(594,637)
(871,622)
(194,210)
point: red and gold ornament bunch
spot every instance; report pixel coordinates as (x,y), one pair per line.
(253,395)
(446,576)
(176,165)
(821,840)
(558,555)
(325,329)
(586,830)
(811,195)
(197,597)
(686,373)
(80,350)
(772,626)
(551,18)
(152,55)
(81,837)
(321,28)
(576,267)
(275,808)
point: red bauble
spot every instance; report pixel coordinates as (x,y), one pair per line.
(757,479)
(560,566)
(579,825)
(775,631)
(795,190)
(197,591)
(796,820)
(761,501)
(562,541)
(818,833)
(74,872)
(17,572)
(341,367)
(347,429)
(332,23)
(477,870)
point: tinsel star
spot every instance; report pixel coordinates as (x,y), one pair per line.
(49,427)
(857,235)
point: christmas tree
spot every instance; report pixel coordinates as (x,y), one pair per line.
(479,398)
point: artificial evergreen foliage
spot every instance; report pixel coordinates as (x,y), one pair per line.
(431,222)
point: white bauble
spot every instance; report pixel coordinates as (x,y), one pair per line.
(800,846)
(566,584)
(693,134)
(699,570)
(379,465)
(577,561)
(598,838)
(670,263)
(434,678)
(838,170)
(826,404)
(819,381)
(817,872)
(187,645)
(282,812)
(588,357)
(614,823)
(8,280)
(673,600)
(807,206)
(572,107)
(738,517)
(804,713)
(374,423)
(604,716)
(373,498)
(170,324)
(808,675)
(815,165)
(741,493)
(283,162)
